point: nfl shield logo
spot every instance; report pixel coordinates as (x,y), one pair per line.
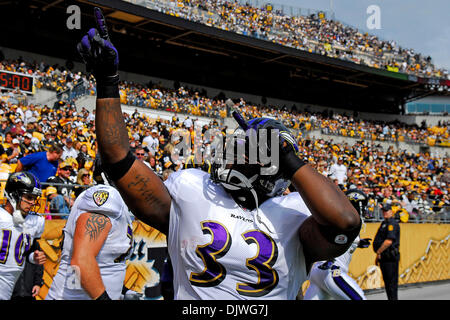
(100,197)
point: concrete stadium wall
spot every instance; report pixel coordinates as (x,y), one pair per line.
(88,102)
(424,255)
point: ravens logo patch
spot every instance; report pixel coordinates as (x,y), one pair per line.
(100,197)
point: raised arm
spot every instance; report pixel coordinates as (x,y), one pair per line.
(334,222)
(141,189)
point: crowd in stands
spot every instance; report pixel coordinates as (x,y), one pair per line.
(196,102)
(313,33)
(418,183)
(191,101)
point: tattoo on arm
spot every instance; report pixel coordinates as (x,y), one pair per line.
(112,134)
(148,202)
(140,184)
(95,224)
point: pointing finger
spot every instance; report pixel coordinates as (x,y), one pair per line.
(101,23)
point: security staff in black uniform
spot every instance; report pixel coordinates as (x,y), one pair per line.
(386,246)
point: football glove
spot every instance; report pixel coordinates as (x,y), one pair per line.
(290,161)
(364,243)
(99,54)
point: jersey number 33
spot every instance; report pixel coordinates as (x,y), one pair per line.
(214,272)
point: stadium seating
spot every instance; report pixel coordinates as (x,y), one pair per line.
(370,167)
(313,33)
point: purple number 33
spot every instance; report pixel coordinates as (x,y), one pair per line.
(214,272)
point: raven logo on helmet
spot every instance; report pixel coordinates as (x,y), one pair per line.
(358,199)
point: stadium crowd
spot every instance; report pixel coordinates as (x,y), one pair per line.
(191,101)
(418,183)
(313,33)
(195,102)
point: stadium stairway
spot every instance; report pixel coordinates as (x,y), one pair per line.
(44,97)
(87,101)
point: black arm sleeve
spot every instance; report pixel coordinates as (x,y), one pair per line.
(38,270)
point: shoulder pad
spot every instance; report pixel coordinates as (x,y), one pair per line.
(102,199)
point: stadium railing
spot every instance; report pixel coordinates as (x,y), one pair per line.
(441,216)
(14,98)
(136,101)
(371,214)
(69,95)
(389,138)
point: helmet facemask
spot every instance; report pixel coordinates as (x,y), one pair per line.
(246,171)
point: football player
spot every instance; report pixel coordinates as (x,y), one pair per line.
(328,280)
(20,227)
(98,240)
(231,235)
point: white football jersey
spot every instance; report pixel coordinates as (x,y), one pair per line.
(15,240)
(112,256)
(221,251)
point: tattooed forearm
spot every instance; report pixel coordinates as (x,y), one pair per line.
(149,200)
(112,134)
(141,185)
(95,224)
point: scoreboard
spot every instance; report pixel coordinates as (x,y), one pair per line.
(13,80)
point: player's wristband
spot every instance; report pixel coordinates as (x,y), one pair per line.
(104,296)
(117,170)
(108,87)
(290,163)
